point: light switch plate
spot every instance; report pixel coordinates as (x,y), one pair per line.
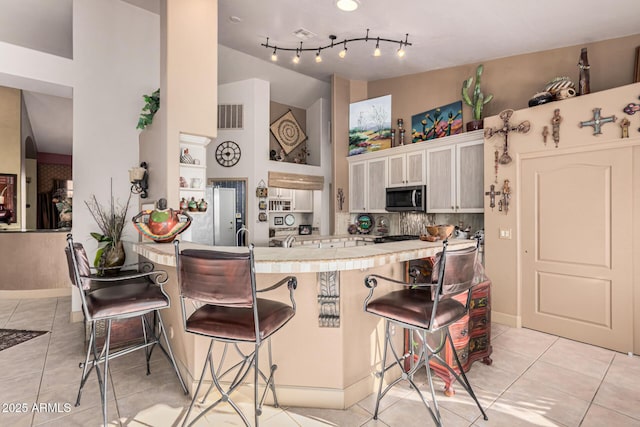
(505,233)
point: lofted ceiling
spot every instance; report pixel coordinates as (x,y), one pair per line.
(442,35)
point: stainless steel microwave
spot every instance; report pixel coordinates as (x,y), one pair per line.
(411,198)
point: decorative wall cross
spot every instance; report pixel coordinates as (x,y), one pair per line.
(505,130)
(492,196)
(555,122)
(597,121)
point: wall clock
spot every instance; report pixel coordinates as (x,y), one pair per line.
(227,153)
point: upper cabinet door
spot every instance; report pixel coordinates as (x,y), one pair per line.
(415,168)
(303,200)
(376,185)
(407,169)
(441,180)
(357,186)
(396,170)
(470,177)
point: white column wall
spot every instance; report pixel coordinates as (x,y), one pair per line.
(116,60)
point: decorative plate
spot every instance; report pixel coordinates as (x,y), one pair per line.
(364,223)
(289,220)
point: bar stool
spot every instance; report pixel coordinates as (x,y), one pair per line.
(222,287)
(426,309)
(125,295)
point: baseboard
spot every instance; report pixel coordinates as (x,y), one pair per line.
(506,319)
(35,293)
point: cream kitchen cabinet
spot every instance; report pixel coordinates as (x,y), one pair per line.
(455,178)
(287,199)
(303,200)
(407,169)
(367,185)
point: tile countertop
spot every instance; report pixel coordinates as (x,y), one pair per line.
(301,259)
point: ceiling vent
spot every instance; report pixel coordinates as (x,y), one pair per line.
(230,116)
(304,34)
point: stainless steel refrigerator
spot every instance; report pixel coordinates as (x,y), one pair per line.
(217,225)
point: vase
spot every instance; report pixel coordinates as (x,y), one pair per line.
(112,257)
(474,125)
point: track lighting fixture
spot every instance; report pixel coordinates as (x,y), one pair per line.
(343,52)
(377,52)
(298,50)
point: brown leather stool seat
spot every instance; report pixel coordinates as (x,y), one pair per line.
(128,298)
(237,323)
(413,307)
(222,286)
(425,309)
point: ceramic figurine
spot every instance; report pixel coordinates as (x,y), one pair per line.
(193,205)
(184,205)
(202,205)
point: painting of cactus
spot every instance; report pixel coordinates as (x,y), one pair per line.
(477,100)
(370,125)
(436,123)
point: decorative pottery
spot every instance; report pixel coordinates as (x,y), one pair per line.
(474,125)
(186,158)
(184,205)
(202,205)
(541,98)
(559,83)
(193,205)
(183,182)
(442,231)
(163,224)
(112,256)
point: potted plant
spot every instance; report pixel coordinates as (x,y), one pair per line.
(111,222)
(151,106)
(476,101)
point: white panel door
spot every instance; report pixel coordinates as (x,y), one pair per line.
(576,248)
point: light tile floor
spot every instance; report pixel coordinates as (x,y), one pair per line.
(536,379)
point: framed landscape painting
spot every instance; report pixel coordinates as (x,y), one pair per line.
(436,123)
(370,125)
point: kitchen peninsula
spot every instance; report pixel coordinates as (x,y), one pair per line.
(328,353)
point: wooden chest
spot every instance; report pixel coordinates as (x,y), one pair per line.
(471,335)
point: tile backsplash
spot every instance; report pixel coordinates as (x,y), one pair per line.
(415,222)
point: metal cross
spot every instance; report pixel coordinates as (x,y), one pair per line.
(492,196)
(505,130)
(597,121)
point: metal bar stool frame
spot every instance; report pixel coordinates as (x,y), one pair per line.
(84,280)
(426,350)
(247,360)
